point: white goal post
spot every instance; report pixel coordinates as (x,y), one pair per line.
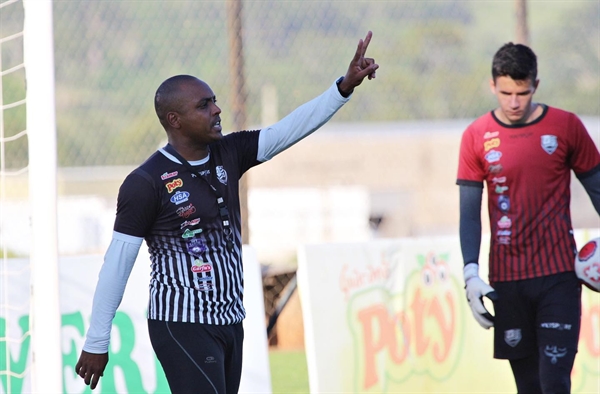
(38,53)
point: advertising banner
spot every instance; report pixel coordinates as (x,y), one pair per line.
(390,316)
(132,367)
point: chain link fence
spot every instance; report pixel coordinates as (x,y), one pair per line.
(110,56)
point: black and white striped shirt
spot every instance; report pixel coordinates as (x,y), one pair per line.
(195,277)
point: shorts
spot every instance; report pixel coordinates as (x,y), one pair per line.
(537,315)
(199,358)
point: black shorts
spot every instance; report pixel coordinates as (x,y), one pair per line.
(199,358)
(539,315)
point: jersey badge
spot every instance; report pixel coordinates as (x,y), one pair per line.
(512,337)
(490,134)
(499,179)
(221,174)
(549,143)
(174,184)
(192,222)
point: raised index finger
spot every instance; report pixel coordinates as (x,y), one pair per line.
(366,43)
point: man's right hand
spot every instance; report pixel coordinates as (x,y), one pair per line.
(91,367)
(476,289)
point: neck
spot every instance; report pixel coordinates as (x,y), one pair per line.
(190,152)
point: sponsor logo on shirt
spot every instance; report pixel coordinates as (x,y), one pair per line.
(191,233)
(504,222)
(498,179)
(200,266)
(196,246)
(192,222)
(549,143)
(504,203)
(501,189)
(174,185)
(495,168)
(504,232)
(504,240)
(493,156)
(490,134)
(186,211)
(493,143)
(180,197)
(168,175)
(556,326)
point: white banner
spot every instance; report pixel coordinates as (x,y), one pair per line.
(132,366)
(390,316)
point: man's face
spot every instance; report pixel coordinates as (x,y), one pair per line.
(198,114)
(514,98)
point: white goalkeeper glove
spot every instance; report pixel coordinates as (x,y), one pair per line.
(476,289)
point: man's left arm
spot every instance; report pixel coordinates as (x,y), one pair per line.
(591,184)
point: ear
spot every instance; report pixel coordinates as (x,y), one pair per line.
(536,84)
(173,120)
(493,85)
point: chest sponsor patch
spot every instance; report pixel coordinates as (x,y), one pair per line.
(174,184)
(180,197)
(221,174)
(493,143)
(493,156)
(549,143)
(168,175)
(186,211)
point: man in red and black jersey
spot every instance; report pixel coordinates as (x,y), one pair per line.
(525,152)
(184,202)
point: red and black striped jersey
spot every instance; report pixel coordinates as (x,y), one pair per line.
(527,171)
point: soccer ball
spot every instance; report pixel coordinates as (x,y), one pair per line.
(587,264)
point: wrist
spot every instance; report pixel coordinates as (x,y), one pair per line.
(343,89)
(470,271)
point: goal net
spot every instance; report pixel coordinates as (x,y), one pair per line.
(30,357)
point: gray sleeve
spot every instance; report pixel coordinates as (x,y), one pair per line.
(300,123)
(591,184)
(470,222)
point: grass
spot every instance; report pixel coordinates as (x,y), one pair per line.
(289,373)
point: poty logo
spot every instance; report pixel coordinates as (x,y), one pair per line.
(493,143)
(180,197)
(168,175)
(174,185)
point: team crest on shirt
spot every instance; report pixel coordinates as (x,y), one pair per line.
(221,174)
(549,143)
(512,337)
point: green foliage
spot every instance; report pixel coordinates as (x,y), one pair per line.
(110,56)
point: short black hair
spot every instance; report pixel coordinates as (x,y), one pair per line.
(167,97)
(516,61)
